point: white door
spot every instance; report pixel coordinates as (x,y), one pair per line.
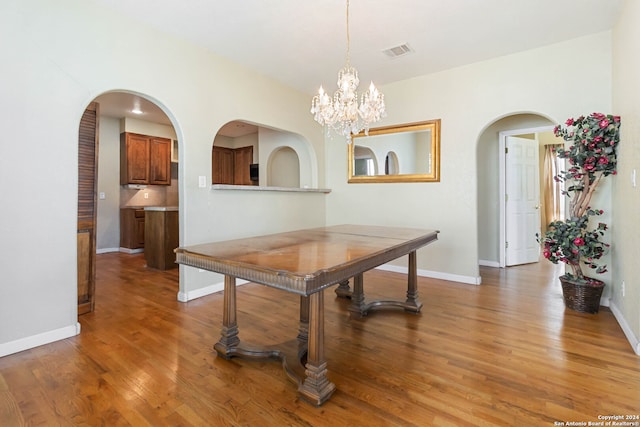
(522,204)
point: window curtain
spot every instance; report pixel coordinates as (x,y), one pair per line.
(551,189)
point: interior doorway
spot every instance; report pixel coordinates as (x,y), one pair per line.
(520,197)
(119,113)
(520,202)
(492,182)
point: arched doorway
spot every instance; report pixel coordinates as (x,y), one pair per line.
(101,187)
(492,239)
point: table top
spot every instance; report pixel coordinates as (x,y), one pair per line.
(306,261)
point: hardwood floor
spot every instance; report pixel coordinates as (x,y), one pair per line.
(503,353)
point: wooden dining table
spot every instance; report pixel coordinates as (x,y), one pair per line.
(306,262)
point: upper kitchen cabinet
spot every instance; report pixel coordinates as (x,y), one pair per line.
(159,161)
(232,166)
(144,159)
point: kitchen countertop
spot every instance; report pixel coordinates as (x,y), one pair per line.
(161,208)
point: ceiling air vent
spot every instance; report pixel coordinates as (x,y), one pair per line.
(398,51)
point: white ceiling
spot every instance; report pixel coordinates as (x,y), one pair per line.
(121,104)
(303,42)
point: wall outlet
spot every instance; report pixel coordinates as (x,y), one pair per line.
(622,289)
(146,195)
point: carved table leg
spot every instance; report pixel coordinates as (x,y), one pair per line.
(316,388)
(309,345)
(358,307)
(303,328)
(229,340)
(412,303)
(343,290)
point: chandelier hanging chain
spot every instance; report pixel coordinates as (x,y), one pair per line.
(348,39)
(347,113)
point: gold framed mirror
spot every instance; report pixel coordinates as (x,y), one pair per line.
(400,153)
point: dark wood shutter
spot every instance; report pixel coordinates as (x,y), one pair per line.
(87,207)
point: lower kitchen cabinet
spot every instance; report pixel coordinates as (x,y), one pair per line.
(132,228)
(161,237)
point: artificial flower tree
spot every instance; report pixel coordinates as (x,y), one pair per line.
(591,156)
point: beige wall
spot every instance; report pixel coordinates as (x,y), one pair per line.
(468,100)
(626,198)
(61,56)
(108,219)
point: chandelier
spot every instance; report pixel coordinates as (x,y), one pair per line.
(343,114)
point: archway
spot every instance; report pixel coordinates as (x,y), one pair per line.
(284,168)
(391,164)
(118,113)
(365,161)
(490,183)
(262,144)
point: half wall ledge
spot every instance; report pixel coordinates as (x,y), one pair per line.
(259,188)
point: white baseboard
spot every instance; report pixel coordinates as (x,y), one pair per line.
(107,250)
(628,332)
(434,274)
(486,263)
(207,290)
(131,251)
(39,339)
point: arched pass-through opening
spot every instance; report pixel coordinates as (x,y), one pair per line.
(242,154)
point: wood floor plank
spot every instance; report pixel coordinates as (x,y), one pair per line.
(9,408)
(503,353)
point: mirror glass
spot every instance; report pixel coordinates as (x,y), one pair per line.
(401,153)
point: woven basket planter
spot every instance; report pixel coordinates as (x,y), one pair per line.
(582,296)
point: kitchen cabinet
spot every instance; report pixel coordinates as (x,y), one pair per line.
(161,231)
(132,228)
(243,158)
(222,165)
(232,166)
(144,159)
